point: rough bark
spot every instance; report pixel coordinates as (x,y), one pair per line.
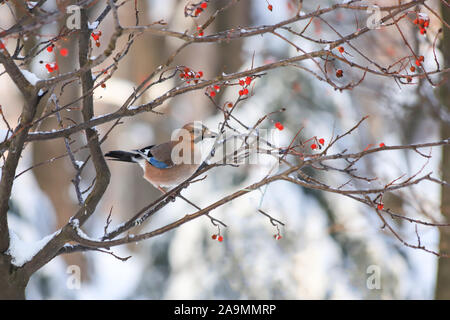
(12,280)
(443,276)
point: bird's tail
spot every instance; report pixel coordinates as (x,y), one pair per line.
(122,156)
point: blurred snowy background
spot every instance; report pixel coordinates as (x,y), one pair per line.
(329,241)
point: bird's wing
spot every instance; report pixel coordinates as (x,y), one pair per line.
(161,155)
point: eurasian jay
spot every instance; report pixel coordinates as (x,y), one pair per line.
(170,163)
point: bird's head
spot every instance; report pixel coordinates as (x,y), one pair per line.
(198,131)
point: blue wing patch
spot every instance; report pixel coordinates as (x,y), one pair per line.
(158,164)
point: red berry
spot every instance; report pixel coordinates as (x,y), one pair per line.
(217,87)
(412,68)
(421,58)
(200,74)
(241,92)
(245,91)
(220,238)
(423,31)
(204,5)
(341,49)
(382,145)
(2,45)
(198,11)
(212,94)
(248,80)
(421,21)
(64,52)
(408,78)
(279,126)
(321,141)
(270,7)
(241,82)
(426,23)
(380,206)
(51,67)
(229,105)
(103,85)
(418,63)
(339,73)
(214,236)
(416,21)
(97,44)
(50,48)
(314,146)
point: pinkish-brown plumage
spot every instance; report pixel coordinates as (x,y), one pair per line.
(164,164)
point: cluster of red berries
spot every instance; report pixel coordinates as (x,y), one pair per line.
(200,8)
(96,36)
(279,126)
(51,67)
(218,237)
(277,236)
(423,22)
(213,90)
(419,61)
(63,51)
(315,146)
(190,75)
(244,84)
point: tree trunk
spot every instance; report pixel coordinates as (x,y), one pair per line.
(443,276)
(13,281)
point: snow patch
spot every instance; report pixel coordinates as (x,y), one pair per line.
(79,163)
(21,252)
(31,4)
(93,25)
(30,76)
